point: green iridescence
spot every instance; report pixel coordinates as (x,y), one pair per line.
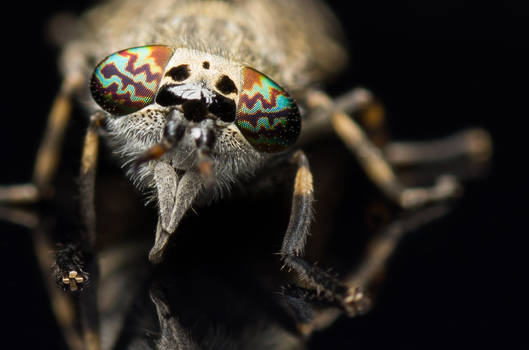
(267,116)
(263,123)
(127,80)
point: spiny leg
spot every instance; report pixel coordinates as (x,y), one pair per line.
(301,213)
(73,257)
(384,244)
(326,286)
(474,143)
(373,160)
(379,251)
(87,179)
(88,308)
(380,171)
(358,102)
(49,151)
(61,303)
(44,171)
(367,110)
(76,263)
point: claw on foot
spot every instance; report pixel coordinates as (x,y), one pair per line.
(73,279)
(356,302)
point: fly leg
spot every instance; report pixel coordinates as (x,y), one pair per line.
(475,144)
(381,172)
(376,163)
(74,259)
(49,151)
(62,304)
(320,284)
(76,266)
(366,275)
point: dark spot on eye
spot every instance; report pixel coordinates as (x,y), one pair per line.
(179,73)
(223,108)
(205,64)
(226,85)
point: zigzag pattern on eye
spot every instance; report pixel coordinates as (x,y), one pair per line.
(267,105)
(255,124)
(267,116)
(254,117)
(263,111)
(129,80)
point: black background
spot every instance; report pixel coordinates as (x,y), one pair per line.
(438,66)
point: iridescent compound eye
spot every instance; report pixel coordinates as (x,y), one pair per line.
(127,81)
(267,116)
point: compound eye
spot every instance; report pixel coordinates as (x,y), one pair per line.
(267,116)
(127,81)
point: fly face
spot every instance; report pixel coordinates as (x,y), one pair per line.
(193,104)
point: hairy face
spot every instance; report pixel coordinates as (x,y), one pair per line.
(197,101)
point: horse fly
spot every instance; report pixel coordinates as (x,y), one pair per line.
(194,96)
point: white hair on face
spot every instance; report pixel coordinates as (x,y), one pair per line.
(193,91)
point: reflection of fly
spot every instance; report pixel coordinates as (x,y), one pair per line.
(192,97)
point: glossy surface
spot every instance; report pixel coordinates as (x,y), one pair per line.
(266,115)
(127,81)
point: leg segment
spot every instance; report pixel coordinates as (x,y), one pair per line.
(380,171)
(370,156)
(87,180)
(49,151)
(71,268)
(326,286)
(50,147)
(384,244)
(76,264)
(301,212)
(62,304)
(379,251)
(88,309)
(473,143)
(72,263)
